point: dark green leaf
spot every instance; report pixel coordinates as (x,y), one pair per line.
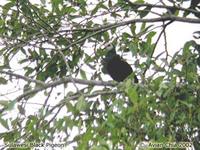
(131,91)
(4,123)
(83,74)
(3,80)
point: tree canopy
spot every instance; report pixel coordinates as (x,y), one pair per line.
(53,88)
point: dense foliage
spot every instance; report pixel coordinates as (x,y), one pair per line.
(53,88)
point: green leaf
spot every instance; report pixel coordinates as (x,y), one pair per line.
(125,36)
(81,105)
(55,4)
(133,28)
(150,36)
(143,26)
(83,74)
(113,30)
(131,91)
(133,47)
(157,82)
(140,1)
(3,80)
(28,70)
(7,7)
(186,48)
(149,118)
(110,3)
(94,11)
(59,124)
(41,76)
(43,2)
(4,123)
(4,102)
(9,105)
(144,12)
(98,6)
(51,69)
(187,104)
(106,36)
(27,87)
(69,10)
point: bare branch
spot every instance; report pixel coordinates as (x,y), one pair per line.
(22,77)
(65,80)
(161,6)
(104,28)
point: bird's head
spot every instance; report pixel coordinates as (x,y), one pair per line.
(109,46)
(109,54)
(110,50)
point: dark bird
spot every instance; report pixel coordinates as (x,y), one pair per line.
(115,66)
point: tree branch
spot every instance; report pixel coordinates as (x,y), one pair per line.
(61,81)
(161,6)
(65,80)
(104,28)
(139,20)
(22,77)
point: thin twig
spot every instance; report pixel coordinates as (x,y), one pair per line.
(165,41)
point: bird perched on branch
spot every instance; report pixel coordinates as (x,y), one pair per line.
(115,66)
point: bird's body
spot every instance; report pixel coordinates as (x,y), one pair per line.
(115,66)
(118,69)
